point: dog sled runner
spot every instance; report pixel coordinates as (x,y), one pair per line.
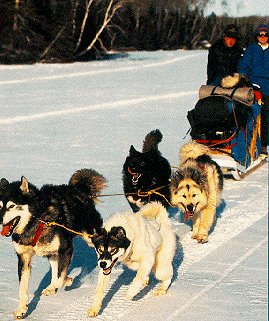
(228,121)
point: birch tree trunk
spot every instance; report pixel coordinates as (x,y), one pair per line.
(110,11)
(15,20)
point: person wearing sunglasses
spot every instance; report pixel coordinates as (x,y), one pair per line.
(224,55)
(255,65)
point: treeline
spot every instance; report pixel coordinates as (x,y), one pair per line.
(74,30)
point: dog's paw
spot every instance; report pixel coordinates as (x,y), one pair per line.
(194,236)
(93,312)
(201,238)
(160,291)
(20,312)
(49,291)
(68,281)
(146,281)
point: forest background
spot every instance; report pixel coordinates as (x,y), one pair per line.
(80,30)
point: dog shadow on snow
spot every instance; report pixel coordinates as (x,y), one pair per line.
(127,275)
(179,255)
(125,279)
(84,258)
(219,211)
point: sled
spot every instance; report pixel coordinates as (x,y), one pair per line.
(230,166)
(231,129)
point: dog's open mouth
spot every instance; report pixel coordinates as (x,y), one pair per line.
(7,229)
(108,270)
(135,177)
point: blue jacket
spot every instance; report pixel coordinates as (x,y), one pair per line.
(255,65)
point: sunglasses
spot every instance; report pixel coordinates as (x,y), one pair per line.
(263,34)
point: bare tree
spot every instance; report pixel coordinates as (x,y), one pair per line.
(87,9)
(110,10)
(15,20)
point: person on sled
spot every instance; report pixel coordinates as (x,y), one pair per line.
(255,65)
(223,56)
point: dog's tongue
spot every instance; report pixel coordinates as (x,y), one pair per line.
(5,230)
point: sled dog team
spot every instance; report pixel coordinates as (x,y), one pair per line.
(45,220)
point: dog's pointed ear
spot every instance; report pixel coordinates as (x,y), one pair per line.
(179,176)
(196,176)
(98,233)
(132,151)
(3,184)
(119,233)
(95,233)
(175,179)
(24,185)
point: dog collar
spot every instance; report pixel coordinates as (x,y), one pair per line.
(135,177)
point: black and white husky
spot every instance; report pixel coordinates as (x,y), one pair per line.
(25,214)
(144,242)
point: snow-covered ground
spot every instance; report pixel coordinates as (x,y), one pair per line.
(55,119)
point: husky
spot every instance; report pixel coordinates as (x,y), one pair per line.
(144,242)
(25,214)
(146,175)
(196,188)
(235,80)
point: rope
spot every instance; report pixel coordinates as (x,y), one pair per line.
(49,224)
(154,191)
(140,193)
(143,194)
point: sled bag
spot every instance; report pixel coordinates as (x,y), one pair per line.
(243,95)
(210,115)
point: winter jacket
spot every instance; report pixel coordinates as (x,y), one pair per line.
(222,61)
(255,65)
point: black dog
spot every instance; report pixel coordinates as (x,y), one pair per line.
(26,213)
(146,175)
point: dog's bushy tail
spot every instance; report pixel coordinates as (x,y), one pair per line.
(89,182)
(192,150)
(230,81)
(155,211)
(152,140)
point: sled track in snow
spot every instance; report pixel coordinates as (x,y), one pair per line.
(229,225)
(109,105)
(224,275)
(134,66)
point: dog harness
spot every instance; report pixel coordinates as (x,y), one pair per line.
(38,232)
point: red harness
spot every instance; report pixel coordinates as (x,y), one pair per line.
(38,232)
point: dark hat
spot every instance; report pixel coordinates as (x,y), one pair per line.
(262,28)
(231,31)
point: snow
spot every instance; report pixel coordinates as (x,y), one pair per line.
(55,119)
